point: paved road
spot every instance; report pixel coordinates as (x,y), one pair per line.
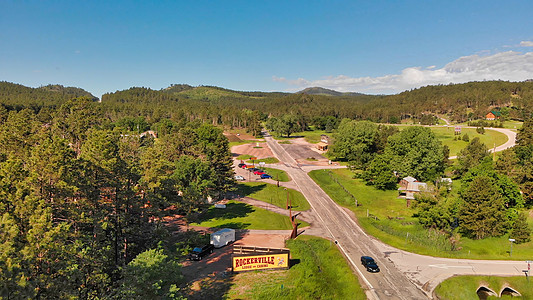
(404,275)
(511,139)
(390,283)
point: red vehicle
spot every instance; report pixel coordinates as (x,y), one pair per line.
(259,172)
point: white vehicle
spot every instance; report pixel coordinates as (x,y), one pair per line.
(239,177)
(223,237)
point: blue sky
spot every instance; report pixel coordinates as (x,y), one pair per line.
(363,46)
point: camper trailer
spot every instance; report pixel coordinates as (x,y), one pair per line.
(223,237)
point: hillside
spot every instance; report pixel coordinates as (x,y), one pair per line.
(326,92)
(459,102)
(17,96)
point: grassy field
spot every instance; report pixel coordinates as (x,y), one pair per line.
(465,287)
(312,136)
(393,223)
(319,271)
(272,194)
(240,215)
(446,136)
(277,174)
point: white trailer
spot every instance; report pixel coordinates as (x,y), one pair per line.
(223,237)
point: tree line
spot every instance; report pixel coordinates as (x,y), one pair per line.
(493,193)
(83,199)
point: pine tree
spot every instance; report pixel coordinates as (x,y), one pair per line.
(483,213)
(520,230)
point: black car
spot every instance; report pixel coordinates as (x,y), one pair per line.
(241,165)
(253,169)
(370,264)
(199,252)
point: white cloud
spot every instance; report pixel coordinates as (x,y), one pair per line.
(510,65)
(526,44)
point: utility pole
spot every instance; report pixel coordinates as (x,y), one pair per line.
(287,203)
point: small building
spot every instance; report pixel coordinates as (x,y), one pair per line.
(149,133)
(493,115)
(323,144)
(409,186)
(447,182)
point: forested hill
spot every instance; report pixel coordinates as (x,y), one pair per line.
(465,101)
(326,92)
(219,106)
(16,96)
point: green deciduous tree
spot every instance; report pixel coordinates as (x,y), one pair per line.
(380,174)
(415,151)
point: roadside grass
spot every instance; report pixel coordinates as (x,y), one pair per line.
(465,287)
(277,174)
(318,271)
(447,136)
(266,160)
(272,194)
(393,223)
(240,215)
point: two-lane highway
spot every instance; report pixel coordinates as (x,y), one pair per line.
(390,283)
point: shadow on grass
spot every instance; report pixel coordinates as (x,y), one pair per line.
(293,262)
(245,190)
(232,210)
(233,225)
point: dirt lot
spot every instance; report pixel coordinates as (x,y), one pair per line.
(252,149)
(305,153)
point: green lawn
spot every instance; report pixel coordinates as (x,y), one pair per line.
(240,215)
(266,160)
(465,287)
(277,174)
(393,223)
(312,136)
(447,134)
(272,194)
(318,271)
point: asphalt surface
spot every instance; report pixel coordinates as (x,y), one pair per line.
(403,275)
(390,283)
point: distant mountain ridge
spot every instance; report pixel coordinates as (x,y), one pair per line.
(327,92)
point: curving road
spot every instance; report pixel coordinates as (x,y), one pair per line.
(403,275)
(511,139)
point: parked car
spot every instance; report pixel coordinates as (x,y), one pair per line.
(370,264)
(199,252)
(253,169)
(259,172)
(241,165)
(265,176)
(239,177)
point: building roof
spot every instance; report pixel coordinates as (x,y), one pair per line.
(496,113)
(409,179)
(414,187)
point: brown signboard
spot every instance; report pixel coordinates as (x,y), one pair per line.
(261,262)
